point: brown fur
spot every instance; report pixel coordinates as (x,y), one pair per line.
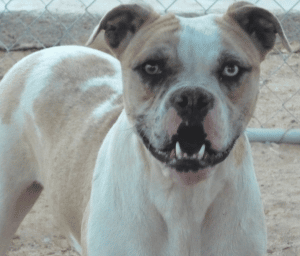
(248,53)
(261,26)
(239,151)
(59,103)
(61,114)
(76,167)
(11,95)
(101,45)
(159,35)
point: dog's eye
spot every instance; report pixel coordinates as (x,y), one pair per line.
(231,70)
(152,68)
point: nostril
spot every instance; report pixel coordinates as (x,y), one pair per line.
(194,101)
(202,103)
(183,101)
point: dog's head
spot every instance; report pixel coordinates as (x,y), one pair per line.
(190,84)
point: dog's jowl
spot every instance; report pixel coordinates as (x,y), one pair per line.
(141,152)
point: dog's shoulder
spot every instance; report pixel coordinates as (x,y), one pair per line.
(58,80)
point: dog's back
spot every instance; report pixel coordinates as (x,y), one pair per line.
(64,96)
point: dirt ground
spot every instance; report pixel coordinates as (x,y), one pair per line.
(277,167)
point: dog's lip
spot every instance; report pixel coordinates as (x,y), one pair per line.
(210,157)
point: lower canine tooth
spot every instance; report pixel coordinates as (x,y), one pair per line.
(178,151)
(201,152)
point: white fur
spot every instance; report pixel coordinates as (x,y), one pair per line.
(40,75)
(113,81)
(75,244)
(105,107)
(146,213)
(200,46)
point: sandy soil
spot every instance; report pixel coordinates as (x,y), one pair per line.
(277,168)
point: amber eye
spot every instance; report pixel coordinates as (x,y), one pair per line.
(230,70)
(152,68)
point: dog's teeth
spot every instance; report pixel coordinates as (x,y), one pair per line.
(178,151)
(201,152)
(185,155)
(194,156)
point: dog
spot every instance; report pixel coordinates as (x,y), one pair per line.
(144,152)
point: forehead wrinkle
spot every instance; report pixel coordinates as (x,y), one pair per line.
(199,42)
(231,56)
(157,53)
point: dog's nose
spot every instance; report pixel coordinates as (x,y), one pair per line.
(192,103)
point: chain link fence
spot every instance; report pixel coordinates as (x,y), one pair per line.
(27,26)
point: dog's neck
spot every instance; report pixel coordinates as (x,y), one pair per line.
(156,202)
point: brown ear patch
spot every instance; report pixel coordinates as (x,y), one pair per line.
(258,23)
(261,25)
(121,24)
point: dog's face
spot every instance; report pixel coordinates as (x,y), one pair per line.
(190,92)
(190,84)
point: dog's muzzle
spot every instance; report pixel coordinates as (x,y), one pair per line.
(189,149)
(185,156)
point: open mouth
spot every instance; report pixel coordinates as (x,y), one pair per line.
(185,156)
(183,162)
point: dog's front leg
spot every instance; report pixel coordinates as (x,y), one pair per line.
(120,218)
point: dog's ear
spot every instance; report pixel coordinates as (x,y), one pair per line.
(261,25)
(120,25)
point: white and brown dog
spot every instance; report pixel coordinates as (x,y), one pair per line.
(146,156)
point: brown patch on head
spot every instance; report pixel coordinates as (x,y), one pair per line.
(155,41)
(239,150)
(14,85)
(66,98)
(161,31)
(130,29)
(233,36)
(243,95)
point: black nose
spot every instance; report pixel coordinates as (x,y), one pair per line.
(192,103)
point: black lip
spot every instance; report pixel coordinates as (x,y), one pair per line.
(210,158)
